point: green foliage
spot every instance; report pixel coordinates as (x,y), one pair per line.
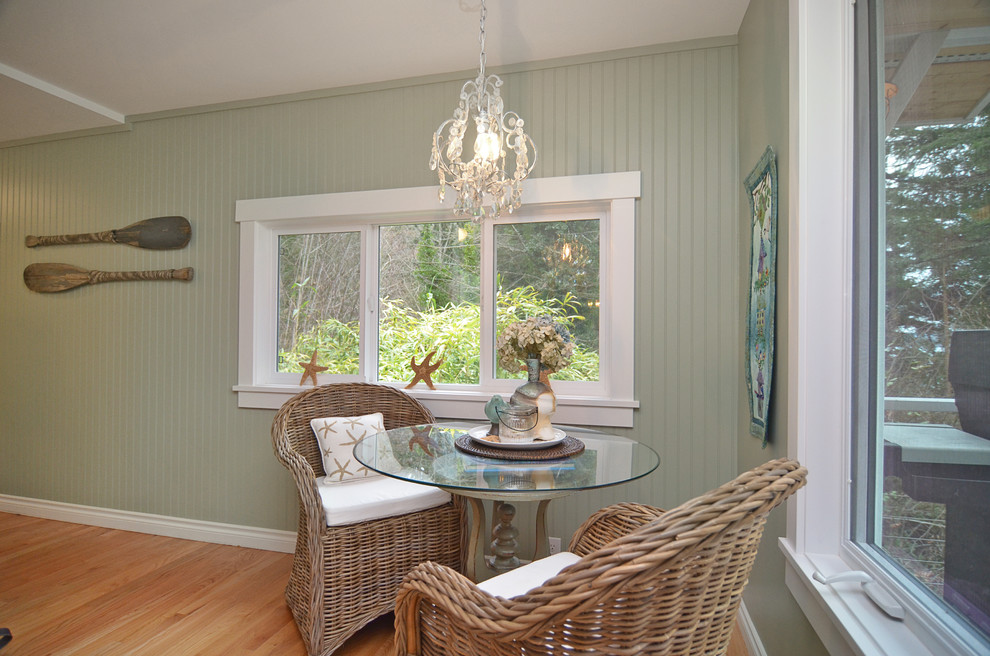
(559,258)
(336,342)
(937,266)
(454,331)
(316,280)
(430,285)
(448,258)
(523,302)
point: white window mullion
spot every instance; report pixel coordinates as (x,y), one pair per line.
(267,297)
(618,292)
(488,312)
(251,303)
(369,303)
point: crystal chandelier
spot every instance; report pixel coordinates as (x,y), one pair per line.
(484,179)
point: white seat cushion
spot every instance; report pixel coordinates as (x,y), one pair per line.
(373,498)
(521,580)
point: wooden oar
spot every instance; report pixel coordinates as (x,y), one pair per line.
(160,233)
(50,277)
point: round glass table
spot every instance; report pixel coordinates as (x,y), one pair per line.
(426,454)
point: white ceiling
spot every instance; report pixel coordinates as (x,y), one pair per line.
(76,64)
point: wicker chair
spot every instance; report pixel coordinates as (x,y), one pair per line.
(345,576)
(646,581)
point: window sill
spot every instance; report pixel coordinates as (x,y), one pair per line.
(470,405)
(846,621)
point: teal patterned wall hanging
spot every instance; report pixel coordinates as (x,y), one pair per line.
(761,185)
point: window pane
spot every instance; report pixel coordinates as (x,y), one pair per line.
(934,465)
(552,268)
(429,300)
(319,301)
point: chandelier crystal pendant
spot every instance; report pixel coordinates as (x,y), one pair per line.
(484,180)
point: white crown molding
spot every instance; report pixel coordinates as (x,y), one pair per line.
(59,92)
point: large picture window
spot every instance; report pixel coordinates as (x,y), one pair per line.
(924,497)
(371,281)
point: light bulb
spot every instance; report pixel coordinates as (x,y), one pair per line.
(487,146)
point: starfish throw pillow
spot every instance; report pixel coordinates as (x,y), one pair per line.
(337,437)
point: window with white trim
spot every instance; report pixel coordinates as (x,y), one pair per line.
(373,280)
(842,320)
(921,504)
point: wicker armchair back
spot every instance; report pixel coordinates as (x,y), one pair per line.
(341,400)
(648,582)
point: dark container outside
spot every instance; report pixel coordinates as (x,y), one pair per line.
(969,373)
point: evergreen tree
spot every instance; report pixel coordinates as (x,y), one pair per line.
(937,249)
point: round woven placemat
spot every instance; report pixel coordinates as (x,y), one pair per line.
(570,446)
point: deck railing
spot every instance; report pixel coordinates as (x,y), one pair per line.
(919,404)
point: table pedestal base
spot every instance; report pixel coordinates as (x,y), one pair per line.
(504,536)
(504,539)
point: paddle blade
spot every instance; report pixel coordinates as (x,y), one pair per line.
(50,277)
(160,233)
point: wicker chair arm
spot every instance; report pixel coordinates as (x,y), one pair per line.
(610,523)
(468,607)
(303,476)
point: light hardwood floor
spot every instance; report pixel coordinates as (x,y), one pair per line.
(75,590)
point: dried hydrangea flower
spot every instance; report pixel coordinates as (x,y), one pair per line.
(539,337)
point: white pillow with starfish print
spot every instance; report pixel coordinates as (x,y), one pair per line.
(337,437)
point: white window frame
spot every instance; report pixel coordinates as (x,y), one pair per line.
(820,355)
(611,197)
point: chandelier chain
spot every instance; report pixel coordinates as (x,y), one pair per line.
(481,39)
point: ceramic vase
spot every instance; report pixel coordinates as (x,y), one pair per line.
(540,395)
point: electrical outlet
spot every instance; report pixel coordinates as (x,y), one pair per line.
(554,546)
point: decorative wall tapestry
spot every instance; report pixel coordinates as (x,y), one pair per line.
(761,185)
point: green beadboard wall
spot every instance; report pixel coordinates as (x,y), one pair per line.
(119,395)
(764,120)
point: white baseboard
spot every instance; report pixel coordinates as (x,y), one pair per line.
(752,639)
(173,527)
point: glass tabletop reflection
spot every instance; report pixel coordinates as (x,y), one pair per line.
(426,454)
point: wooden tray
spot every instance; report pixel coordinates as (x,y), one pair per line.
(571,446)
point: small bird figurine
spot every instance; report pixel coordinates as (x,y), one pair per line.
(492,408)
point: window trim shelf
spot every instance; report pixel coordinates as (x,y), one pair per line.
(846,621)
(469,405)
(849,623)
